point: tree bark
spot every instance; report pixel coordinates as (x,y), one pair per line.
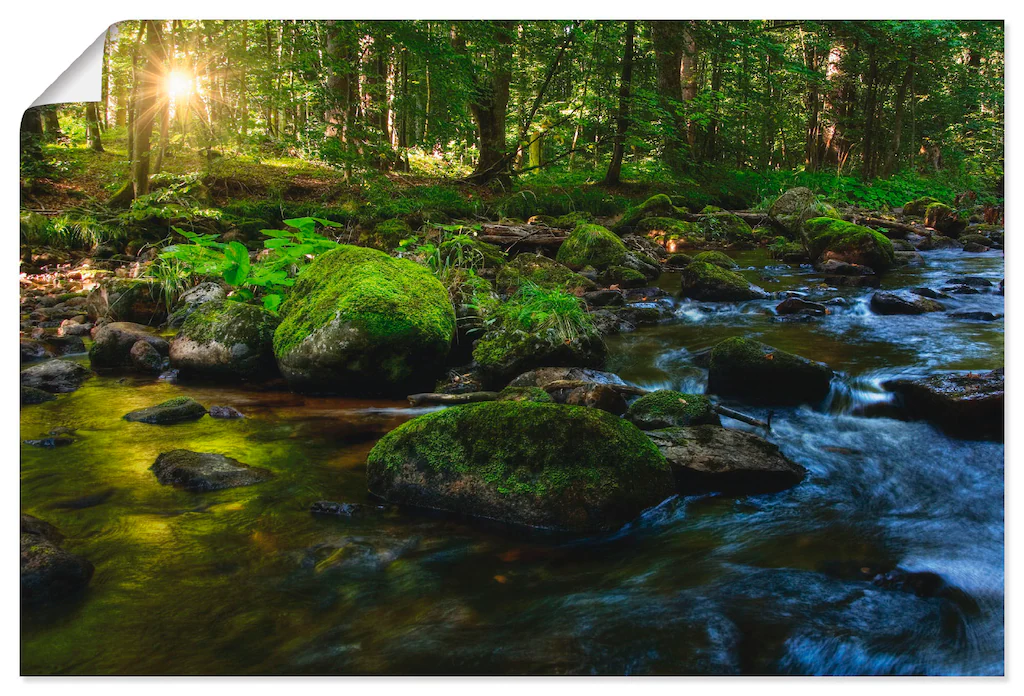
(668,58)
(611,178)
(150,84)
(92,127)
(51,123)
(892,156)
(489,108)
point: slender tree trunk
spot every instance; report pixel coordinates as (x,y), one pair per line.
(611,178)
(243,94)
(490,110)
(51,123)
(31,135)
(92,127)
(688,78)
(892,156)
(146,106)
(668,57)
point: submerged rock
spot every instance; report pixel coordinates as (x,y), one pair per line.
(751,370)
(893,303)
(666,408)
(177,410)
(225,339)
(710,458)
(361,322)
(226,412)
(328,507)
(968,405)
(706,282)
(556,467)
(205,471)
(31,396)
(55,376)
(113,343)
(48,572)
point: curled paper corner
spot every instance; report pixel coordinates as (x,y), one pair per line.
(82,81)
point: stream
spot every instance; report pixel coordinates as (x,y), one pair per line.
(248,581)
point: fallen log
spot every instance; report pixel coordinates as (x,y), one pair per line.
(522,235)
(449,399)
(742,417)
(889,225)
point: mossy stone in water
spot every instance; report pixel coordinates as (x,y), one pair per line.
(829,239)
(717,258)
(592,245)
(703,281)
(623,277)
(542,271)
(756,372)
(918,206)
(205,471)
(534,464)
(177,410)
(725,226)
(667,230)
(659,206)
(666,408)
(361,322)
(225,338)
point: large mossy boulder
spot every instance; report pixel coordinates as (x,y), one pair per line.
(180,409)
(192,299)
(466,251)
(753,371)
(657,206)
(828,239)
(137,300)
(713,459)
(225,339)
(538,465)
(941,217)
(798,205)
(918,206)
(674,234)
(666,408)
(112,344)
(969,405)
(592,245)
(360,322)
(709,283)
(536,269)
(716,258)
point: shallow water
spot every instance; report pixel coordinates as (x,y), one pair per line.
(248,581)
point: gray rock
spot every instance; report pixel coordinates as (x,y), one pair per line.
(893,303)
(113,344)
(146,358)
(48,572)
(193,299)
(31,396)
(205,471)
(55,376)
(969,405)
(710,458)
(224,412)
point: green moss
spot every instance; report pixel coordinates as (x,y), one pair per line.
(975,239)
(666,408)
(522,447)
(704,281)
(750,369)
(725,226)
(591,245)
(542,271)
(623,277)
(659,206)
(386,235)
(717,258)
(852,243)
(918,206)
(667,229)
(524,394)
(394,301)
(565,222)
(710,209)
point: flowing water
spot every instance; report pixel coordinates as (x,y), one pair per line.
(248,581)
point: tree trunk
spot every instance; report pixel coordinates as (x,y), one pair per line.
(92,127)
(490,110)
(51,124)
(611,178)
(668,57)
(146,105)
(31,135)
(688,78)
(892,156)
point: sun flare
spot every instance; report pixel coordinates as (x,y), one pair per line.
(179,84)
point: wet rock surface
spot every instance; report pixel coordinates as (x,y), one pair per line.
(48,572)
(205,471)
(969,405)
(55,376)
(178,410)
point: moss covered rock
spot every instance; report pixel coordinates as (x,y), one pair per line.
(829,239)
(623,277)
(717,258)
(225,338)
(657,206)
(565,222)
(666,408)
(591,245)
(977,239)
(177,410)
(918,206)
(509,350)
(944,219)
(753,371)
(386,235)
(534,464)
(798,205)
(542,271)
(48,572)
(710,283)
(360,322)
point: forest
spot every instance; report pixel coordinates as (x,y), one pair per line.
(517,347)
